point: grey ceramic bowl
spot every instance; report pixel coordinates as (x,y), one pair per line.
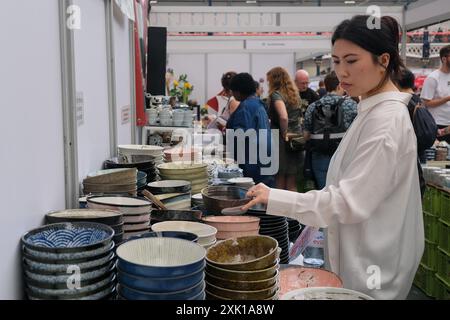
(243,285)
(242,275)
(104,216)
(243,295)
(217,198)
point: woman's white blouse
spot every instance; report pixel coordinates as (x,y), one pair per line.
(371,203)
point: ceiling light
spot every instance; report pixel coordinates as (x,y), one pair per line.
(153,2)
(350,2)
(251,1)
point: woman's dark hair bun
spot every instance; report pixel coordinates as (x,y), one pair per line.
(394,27)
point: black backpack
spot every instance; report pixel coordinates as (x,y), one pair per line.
(328,127)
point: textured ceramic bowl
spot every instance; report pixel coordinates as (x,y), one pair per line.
(104,216)
(68,237)
(127,227)
(169,234)
(242,275)
(126,205)
(169,186)
(180,215)
(187,294)
(242,294)
(160,257)
(112,176)
(243,285)
(217,198)
(136,218)
(232,223)
(223,235)
(324,293)
(244,253)
(206,234)
(183,168)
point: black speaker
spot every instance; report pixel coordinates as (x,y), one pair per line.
(156,61)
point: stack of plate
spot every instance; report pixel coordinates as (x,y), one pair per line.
(53,254)
(182,154)
(174,194)
(196,173)
(111,218)
(143,163)
(244,268)
(136,149)
(136,212)
(113,181)
(430,154)
(206,234)
(197,200)
(141,180)
(294,229)
(233,226)
(246,183)
(161,269)
(277,228)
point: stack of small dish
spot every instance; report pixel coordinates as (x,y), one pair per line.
(136,149)
(174,194)
(54,253)
(196,173)
(244,268)
(233,226)
(113,181)
(157,268)
(182,154)
(245,183)
(143,163)
(113,219)
(206,234)
(136,212)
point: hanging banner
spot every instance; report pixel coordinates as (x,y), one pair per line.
(141,118)
(127,8)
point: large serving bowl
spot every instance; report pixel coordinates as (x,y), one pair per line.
(242,285)
(298,277)
(206,234)
(244,253)
(191,293)
(180,215)
(242,294)
(68,237)
(109,217)
(125,205)
(324,293)
(160,257)
(217,198)
(242,275)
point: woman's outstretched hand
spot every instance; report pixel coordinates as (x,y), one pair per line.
(259,193)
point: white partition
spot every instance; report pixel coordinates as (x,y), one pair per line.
(261,63)
(217,64)
(121,31)
(91,80)
(194,66)
(31,130)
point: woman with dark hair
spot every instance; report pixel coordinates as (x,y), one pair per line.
(251,117)
(371,203)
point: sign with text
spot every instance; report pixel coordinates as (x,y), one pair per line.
(126,114)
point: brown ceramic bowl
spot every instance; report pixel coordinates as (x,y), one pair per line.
(242,285)
(217,198)
(242,275)
(223,235)
(242,295)
(244,253)
(210,296)
(232,223)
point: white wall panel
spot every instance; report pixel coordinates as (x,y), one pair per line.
(31,132)
(91,79)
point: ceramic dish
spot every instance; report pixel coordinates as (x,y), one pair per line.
(217,198)
(136,218)
(180,215)
(127,227)
(188,294)
(126,205)
(253,275)
(232,223)
(169,186)
(206,234)
(243,285)
(112,176)
(324,293)
(242,294)
(169,234)
(108,217)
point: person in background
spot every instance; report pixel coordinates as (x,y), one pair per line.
(424,125)
(284,114)
(307,95)
(436,92)
(334,113)
(322,90)
(250,114)
(259,89)
(371,203)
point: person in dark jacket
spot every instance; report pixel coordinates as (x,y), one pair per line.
(307,95)
(250,114)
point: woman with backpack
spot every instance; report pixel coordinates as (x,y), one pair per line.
(371,204)
(284,114)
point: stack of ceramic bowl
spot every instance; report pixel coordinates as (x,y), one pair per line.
(277,228)
(174,194)
(206,234)
(245,183)
(143,163)
(197,200)
(297,277)
(165,117)
(324,293)
(136,149)
(113,181)
(244,268)
(217,198)
(430,154)
(161,269)
(136,212)
(178,117)
(294,229)
(157,216)
(233,226)
(196,173)
(152,116)
(168,234)
(113,219)
(177,153)
(54,254)
(141,182)
(229,173)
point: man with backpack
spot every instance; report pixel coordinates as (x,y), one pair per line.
(326,122)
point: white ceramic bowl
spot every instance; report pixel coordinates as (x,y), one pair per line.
(206,234)
(125,205)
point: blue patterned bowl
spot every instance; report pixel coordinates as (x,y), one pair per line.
(188,294)
(68,237)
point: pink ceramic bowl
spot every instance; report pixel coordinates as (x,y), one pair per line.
(222,235)
(233,223)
